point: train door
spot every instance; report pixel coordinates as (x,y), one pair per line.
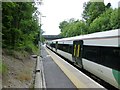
(51,45)
(77,52)
(56,46)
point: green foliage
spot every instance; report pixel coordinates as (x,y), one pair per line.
(92,10)
(3,68)
(19,25)
(115,19)
(106,21)
(30,48)
(0,66)
(42,39)
(102,23)
(62,25)
(73,28)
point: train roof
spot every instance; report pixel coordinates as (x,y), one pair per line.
(104,34)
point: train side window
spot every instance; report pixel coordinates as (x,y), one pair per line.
(91,53)
(70,49)
(65,47)
(53,45)
(59,46)
(111,57)
(107,56)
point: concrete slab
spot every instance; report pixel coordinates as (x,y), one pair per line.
(54,76)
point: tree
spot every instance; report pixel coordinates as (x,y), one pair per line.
(62,25)
(19,24)
(73,28)
(102,23)
(115,19)
(92,10)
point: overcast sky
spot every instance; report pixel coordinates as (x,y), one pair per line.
(57,11)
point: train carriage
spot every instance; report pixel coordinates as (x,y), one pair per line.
(98,53)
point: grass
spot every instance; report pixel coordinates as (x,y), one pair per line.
(0,67)
(3,68)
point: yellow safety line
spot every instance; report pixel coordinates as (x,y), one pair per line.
(68,73)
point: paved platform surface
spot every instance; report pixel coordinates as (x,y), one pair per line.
(54,76)
(79,79)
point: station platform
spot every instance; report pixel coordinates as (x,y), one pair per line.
(60,74)
(54,76)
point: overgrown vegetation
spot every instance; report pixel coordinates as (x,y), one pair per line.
(24,76)
(0,67)
(20,29)
(96,17)
(3,68)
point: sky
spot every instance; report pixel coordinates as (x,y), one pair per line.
(56,11)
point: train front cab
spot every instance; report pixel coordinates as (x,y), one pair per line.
(77,52)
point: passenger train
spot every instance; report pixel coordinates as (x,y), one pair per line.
(98,53)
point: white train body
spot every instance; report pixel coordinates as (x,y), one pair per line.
(94,53)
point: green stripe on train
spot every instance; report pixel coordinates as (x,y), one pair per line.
(116,74)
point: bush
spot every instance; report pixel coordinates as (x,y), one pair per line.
(31,48)
(28,49)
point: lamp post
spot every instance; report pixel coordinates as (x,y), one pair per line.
(38,13)
(40,41)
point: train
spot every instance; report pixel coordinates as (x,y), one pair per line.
(98,53)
